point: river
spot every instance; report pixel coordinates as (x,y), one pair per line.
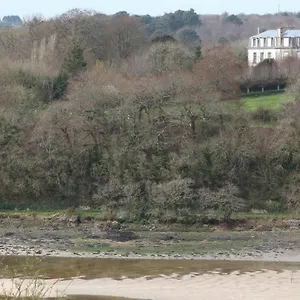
(158,279)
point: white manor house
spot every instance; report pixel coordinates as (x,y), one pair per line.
(274,44)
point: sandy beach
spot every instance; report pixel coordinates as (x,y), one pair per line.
(264,285)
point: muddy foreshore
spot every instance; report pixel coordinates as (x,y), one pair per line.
(67,235)
(246,261)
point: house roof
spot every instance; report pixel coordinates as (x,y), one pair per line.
(273,33)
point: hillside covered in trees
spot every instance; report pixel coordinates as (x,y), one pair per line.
(192,26)
(142,123)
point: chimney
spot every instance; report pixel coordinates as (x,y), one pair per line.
(279,32)
(258,30)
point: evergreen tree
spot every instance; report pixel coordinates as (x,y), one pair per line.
(198,52)
(76,62)
(59,85)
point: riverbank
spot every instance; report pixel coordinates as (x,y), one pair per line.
(258,285)
(84,235)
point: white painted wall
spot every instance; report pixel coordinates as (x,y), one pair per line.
(269,42)
(286,42)
(265,46)
(274,53)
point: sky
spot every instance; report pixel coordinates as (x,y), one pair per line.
(49,8)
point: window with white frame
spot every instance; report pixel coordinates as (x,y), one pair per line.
(254,57)
(269,55)
(262,56)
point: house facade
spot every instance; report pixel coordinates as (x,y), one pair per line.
(273,44)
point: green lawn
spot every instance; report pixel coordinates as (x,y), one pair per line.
(271,100)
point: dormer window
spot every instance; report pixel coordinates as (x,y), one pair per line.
(254,42)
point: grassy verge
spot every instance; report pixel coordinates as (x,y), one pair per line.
(91,213)
(243,216)
(266,216)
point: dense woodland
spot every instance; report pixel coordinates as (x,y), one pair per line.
(122,114)
(189,25)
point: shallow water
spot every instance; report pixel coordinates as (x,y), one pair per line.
(88,268)
(159,279)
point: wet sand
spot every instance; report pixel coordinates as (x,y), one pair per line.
(264,285)
(160,279)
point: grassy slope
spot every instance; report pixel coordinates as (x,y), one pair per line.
(271,100)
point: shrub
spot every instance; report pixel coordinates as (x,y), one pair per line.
(264,115)
(177,201)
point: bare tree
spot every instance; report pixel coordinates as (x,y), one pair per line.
(124,36)
(218,69)
(15,43)
(266,73)
(245,78)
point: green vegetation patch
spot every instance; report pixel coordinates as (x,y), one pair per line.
(271,100)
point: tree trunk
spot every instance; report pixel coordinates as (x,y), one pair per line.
(193,127)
